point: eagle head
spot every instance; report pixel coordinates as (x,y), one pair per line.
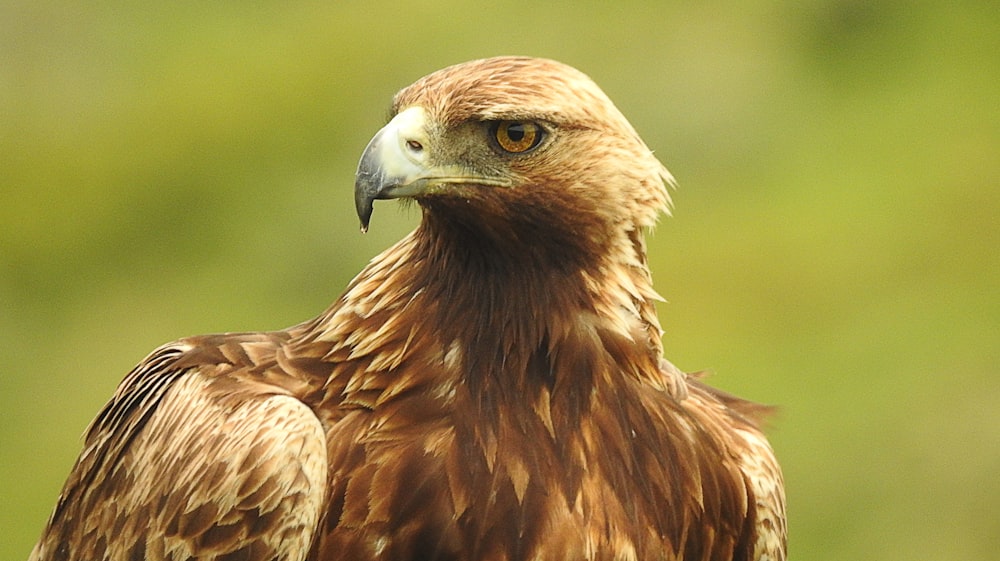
(517,149)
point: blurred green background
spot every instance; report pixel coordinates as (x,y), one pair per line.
(169,169)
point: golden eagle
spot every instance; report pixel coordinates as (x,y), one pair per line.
(489,388)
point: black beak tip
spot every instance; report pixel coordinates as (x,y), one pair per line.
(365,209)
(367,186)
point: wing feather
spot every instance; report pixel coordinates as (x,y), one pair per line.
(183,464)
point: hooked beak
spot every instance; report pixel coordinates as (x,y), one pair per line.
(393,164)
(398,163)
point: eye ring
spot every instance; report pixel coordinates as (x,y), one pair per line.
(517,137)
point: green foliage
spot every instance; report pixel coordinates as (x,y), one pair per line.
(181,169)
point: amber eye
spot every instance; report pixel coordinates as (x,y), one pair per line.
(517,137)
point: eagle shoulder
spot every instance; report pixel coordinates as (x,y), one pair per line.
(200,454)
(736,424)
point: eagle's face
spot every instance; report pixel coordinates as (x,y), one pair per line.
(553,155)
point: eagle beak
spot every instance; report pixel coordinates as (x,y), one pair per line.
(399,162)
(394,164)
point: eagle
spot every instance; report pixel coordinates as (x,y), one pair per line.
(491,387)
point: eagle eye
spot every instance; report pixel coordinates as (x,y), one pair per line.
(517,137)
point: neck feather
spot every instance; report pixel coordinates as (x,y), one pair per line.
(518,311)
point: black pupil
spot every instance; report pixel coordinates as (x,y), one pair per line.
(516,132)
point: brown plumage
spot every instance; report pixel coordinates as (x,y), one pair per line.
(489,388)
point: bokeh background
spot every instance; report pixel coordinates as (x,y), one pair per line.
(169,169)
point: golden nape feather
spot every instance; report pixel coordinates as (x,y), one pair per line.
(491,387)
